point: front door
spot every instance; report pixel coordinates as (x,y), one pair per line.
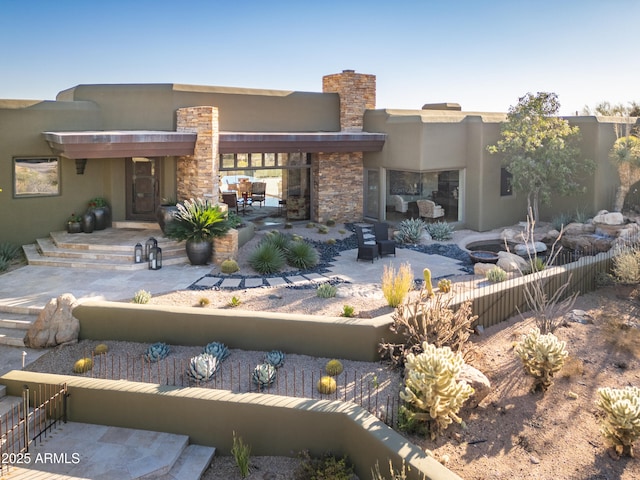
(143,192)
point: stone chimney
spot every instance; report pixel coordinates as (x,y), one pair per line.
(357,93)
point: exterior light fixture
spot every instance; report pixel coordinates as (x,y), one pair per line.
(151,243)
(80,164)
(155,258)
(137,253)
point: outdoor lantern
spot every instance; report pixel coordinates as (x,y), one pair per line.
(155,258)
(137,253)
(151,243)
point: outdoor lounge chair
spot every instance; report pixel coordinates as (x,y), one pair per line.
(385,246)
(258,191)
(429,209)
(367,250)
(231,199)
(400,204)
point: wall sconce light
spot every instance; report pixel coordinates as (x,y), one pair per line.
(80,164)
(137,253)
(155,258)
(151,243)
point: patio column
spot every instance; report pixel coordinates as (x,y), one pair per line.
(197,174)
(338,178)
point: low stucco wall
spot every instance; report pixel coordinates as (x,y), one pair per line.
(270,424)
(348,338)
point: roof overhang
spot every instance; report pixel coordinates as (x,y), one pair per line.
(118,144)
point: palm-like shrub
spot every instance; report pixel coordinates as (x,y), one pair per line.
(267,258)
(197,220)
(302,255)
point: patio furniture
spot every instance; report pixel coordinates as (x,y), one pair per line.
(258,192)
(401,205)
(367,249)
(231,199)
(429,209)
(385,246)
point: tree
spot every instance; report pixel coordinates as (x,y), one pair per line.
(540,150)
(619,110)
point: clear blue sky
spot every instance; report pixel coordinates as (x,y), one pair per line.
(482,54)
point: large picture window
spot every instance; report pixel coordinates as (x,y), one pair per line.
(36,177)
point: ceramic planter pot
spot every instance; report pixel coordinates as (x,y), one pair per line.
(199,251)
(103,217)
(74,227)
(165,214)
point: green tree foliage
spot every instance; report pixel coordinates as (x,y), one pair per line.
(540,150)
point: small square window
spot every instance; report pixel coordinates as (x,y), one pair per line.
(36,177)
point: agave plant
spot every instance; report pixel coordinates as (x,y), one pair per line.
(275,358)
(202,367)
(156,352)
(217,349)
(264,375)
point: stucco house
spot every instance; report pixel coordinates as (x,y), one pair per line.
(329,154)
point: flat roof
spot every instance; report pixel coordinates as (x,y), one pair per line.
(149,143)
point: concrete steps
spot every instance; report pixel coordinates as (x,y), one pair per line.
(109,249)
(14,325)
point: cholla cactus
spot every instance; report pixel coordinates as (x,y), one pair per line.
(217,349)
(431,387)
(621,425)
(203,367)
(264,375)
(542,356)
(275,358)
(156,352)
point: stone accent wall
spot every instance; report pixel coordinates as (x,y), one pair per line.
(225,247)
(197,174)
(357,93)
(338,186)
(338,178)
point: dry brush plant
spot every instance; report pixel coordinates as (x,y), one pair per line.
(431,320)
(396,285)
(542,356)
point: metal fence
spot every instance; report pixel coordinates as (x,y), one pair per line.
(25,425)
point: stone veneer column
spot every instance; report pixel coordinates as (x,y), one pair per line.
(197,174)
(338,178)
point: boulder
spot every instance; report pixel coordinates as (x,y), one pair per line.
(576,228)
(577,243)
(551,236)
(609,218)
(511,235)
(526,249)
(55,325)
(482,268)
(510,262)
(478,381)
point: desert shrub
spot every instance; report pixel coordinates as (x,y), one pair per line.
(229,266)
(141,296)
(561,220)
(326,467)
(83,365)
(241,452)
(581,216)
(234,220)
(536,264)
(9,251)
(302,255)
(267,258)
(496,275)
(432,392)
(444,285)
(204,301)
(4,264)
(410,230)
(330,223)
(327,385)
(333,367)
(234,302)
(621,424)
(396,285)
(626,266)
(542,356)
(401,474)
(347,311)
(278,240)
(431,321)
(326,290)
(439,230)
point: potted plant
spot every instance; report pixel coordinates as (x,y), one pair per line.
(101,210)
(74,223)
(197,222)
(166,212)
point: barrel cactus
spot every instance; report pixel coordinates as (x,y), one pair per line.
(229,266)
(101,349)
(83,365)
(217,349)
(275,358)
(333,367)
(264,375)
(327,385)
(156,352)
(202,367)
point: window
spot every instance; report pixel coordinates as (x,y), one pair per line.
(506,187)
(34,177)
